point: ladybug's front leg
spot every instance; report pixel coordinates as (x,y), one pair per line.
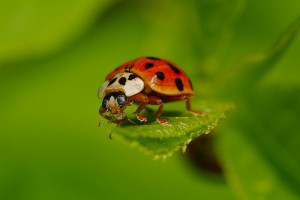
(102,112)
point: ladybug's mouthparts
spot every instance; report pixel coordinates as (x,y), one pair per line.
(118,114)
(115,110)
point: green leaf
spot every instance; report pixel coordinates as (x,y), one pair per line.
(161,141)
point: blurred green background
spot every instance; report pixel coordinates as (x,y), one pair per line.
(54,56)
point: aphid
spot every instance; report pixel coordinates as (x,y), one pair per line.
(145,80)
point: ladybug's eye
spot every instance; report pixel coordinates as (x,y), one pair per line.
(105,102)
(121,100)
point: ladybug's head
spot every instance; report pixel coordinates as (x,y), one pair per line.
(115,103)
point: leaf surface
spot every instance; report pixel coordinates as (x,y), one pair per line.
(162,141)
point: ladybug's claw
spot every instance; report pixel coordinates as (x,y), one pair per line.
(141,118)
(163,120)
(199,113)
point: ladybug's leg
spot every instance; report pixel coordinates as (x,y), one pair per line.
(154,100)
(143,99)
(188,107)
(103,110)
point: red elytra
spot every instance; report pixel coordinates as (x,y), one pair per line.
(161,75)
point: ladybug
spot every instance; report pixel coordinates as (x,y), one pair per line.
(145,80)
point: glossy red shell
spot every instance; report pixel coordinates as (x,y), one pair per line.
(162,76)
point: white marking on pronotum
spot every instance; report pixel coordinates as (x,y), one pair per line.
(130,87)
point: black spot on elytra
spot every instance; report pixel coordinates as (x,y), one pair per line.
(122,80)
(112,81)
(179,84)
(191,84)
(153,58)
(131,76)
(175,69)
(160,75)
(148,65)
